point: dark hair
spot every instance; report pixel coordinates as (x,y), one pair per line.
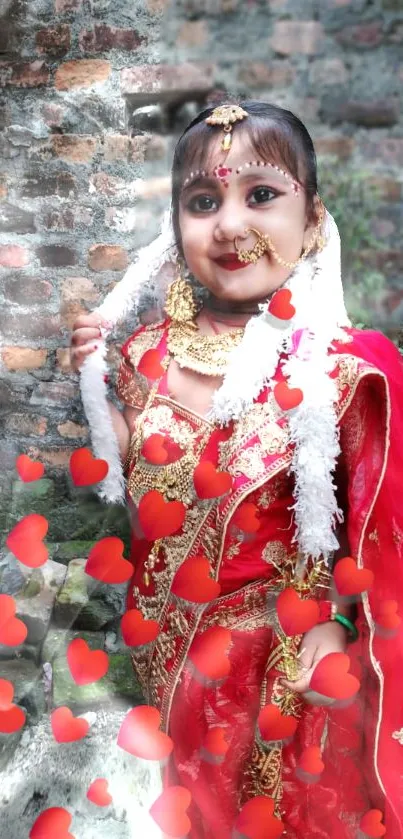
(276,135)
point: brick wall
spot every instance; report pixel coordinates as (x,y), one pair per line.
(85,171)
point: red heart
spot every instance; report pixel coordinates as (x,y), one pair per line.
(159,518)
(98,793)
(385,614)
(139,734)
(246,517)
(136,630)
(67,728)
(154,449)
(86,665)
(12,718)
(371,826)
(209,482)
(331,677)
(280,305)
(296,616)
(29,470)
(256,820)
(51,823)
(287,397)
(169,811)
(273,725)
(150,365)
(192,581)
(12,630)
(105,561)
(209,652)
(311,761)
(86,469)
(349,579)
(215,742)
(25,540)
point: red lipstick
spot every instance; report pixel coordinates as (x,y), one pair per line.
(230,262)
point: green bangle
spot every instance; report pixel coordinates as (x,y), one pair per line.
(348,625)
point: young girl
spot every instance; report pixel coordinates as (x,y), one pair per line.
(260,442)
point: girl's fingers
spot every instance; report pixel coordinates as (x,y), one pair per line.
(78,355)
(84,334)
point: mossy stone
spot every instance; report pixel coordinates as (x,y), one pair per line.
(119,685)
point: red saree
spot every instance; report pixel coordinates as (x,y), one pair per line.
(217,663)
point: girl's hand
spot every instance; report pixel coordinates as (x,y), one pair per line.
(325,638)
(85,330)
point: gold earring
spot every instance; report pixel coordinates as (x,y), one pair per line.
(180,303)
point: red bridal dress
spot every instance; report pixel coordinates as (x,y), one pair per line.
(212,550)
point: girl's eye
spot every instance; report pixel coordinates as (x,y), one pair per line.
(262,194)
(201,203)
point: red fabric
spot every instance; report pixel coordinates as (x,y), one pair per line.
(363,761)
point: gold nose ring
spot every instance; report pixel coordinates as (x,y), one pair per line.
(261,245)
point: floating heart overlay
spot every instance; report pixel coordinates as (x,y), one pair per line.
(150,365)
(65,727)
(86,666)
(256,820)
(215,742)
(98,793)
(12,718)
(159,518)
(29,470)
(371,824)
(209,653)
(159,450)
(209,482)
(275,726)
(12,630)
(331,677)
(310,764)
(385,615)
(287,397)
(169,811)
(351,580)
(52,824)
(296,616)
(192,581)
(246,517)
(106,562)
(86,469)
(139,734)
(25,540)
(136,630)
(280,305)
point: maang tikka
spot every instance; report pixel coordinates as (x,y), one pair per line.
(226,116)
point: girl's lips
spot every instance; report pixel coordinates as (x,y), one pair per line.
(231,263)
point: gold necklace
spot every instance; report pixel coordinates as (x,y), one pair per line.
(205,354)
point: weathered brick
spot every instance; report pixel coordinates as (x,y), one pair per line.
(149,83)
(389,189)
(69,313)
(336,145)
(52,114)
(54,41)
(27,289)
(27,424)
(51,457)
(193,33)
(103,38)
(146,147)
(68,219)
(67,5)
(107,258)
(153,187)
(15,326)
(56,256)
(122,219)
(74,148)
(33,74)
(107,185)
(64,185)
(72,430)
(81,73)
(297,36)
(63,360)
(378,113)
(364,35)
(329,71)
(155,7)
(53,393)
(3,188)
(23,358)
(116,147)
(208,7)
(13,256)
(79,288)
(388,150)
(16,220)
(266,74)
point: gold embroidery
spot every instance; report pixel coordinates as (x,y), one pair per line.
(248,463)
(248,426)
(131,387)
(398,735)
(234,549)
(274,439)
(275,553)
(347,369)
(373,536)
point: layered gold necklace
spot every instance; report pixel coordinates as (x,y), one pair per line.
(205,354)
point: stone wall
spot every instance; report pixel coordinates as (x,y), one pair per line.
(93,96)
